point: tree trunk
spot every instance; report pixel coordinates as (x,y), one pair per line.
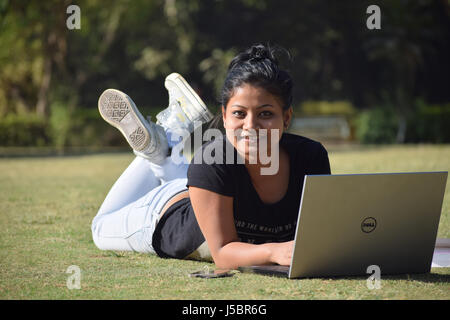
(42,101)
(401,131)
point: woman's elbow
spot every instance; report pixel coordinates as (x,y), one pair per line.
(223,264)
(223,259)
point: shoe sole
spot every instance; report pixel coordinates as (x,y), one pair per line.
(200,107)
(119,110)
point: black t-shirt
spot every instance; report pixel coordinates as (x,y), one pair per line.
(256,222)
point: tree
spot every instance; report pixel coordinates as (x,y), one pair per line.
(407,34)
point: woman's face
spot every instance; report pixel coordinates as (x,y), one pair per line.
(252,118)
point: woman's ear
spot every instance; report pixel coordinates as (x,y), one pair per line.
(224,115)
(287,117)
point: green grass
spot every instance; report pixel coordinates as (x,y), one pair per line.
(47,205)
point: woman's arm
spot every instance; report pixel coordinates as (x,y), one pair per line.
(214,213)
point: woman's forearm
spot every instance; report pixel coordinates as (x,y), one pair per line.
(237,254)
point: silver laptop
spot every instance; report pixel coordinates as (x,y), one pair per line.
(349,222)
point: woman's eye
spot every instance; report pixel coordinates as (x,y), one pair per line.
(242,114)
(266,114)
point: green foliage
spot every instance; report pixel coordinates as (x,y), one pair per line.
(425,124)
(32,34)
(23,130)
(60,122)
(215,67)
(377,125)
(132,45)
(328,108)
(87,128)
(431,123)
(65,128)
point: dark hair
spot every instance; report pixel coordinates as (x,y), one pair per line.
(258,66)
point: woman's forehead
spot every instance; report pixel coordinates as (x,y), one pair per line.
(249,96)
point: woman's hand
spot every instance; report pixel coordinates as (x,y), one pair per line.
(214,214)
(282,253)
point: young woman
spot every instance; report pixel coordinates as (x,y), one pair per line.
(230,210)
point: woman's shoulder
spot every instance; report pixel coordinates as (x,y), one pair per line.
(308,154)
(295,142)
(216,152)
(209,169)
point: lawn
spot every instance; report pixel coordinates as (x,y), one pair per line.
(46,208)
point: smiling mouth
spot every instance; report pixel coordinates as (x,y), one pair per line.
(249,139)
(252,137)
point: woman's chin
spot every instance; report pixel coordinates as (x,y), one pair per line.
(250,154)
(246,147)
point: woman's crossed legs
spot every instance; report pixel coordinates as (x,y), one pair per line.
(129,214)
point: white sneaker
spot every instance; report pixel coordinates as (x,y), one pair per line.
(146,138)
(185,106)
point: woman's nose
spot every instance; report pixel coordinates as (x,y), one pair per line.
(251,122)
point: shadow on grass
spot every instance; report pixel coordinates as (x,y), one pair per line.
(421,277)
(33,152)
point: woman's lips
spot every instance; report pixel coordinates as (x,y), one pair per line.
(250,139)
(253,138)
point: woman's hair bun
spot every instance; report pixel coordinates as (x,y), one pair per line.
(254,55)
(260,52)
(258,66)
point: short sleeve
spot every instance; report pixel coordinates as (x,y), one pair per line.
(320,164)
(215,177)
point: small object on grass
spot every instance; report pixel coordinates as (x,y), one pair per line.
(206,273)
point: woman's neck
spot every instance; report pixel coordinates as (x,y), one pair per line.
(256,170)
(271,188)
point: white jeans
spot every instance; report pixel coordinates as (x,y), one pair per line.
(127,218)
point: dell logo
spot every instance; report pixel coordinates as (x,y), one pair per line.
(368,225)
